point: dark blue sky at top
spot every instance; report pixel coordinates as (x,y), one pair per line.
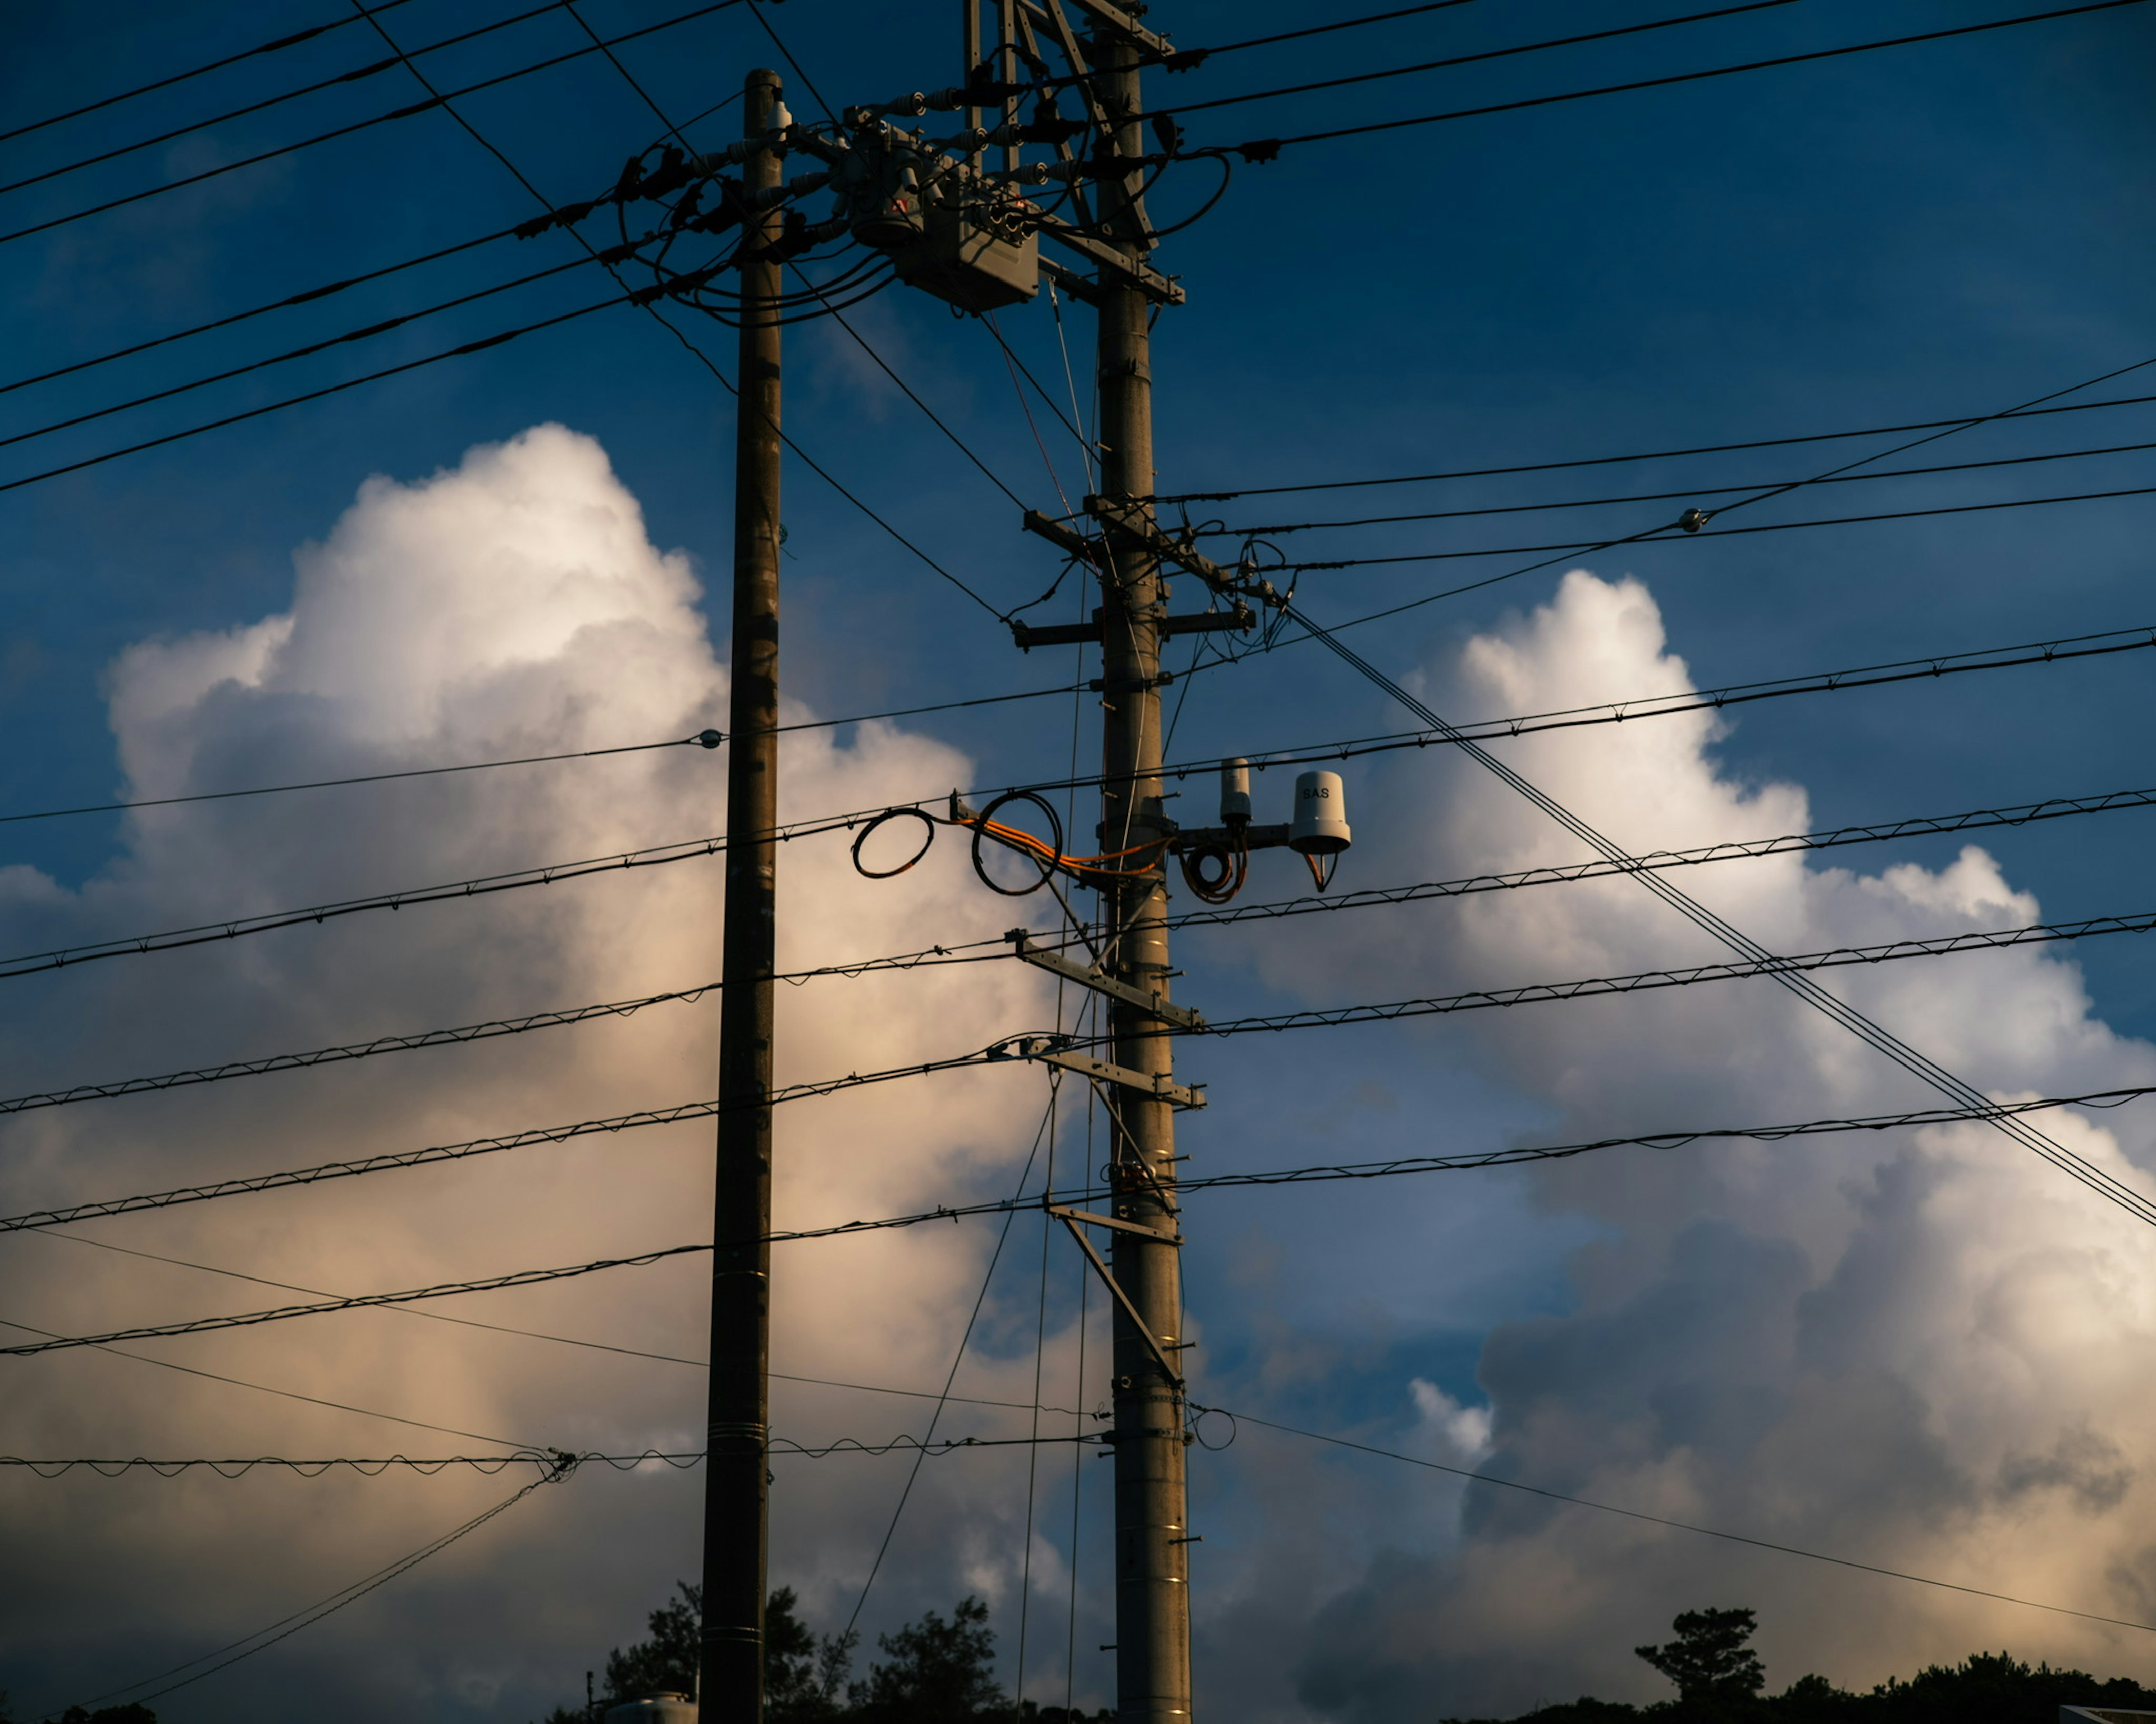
(1947,228)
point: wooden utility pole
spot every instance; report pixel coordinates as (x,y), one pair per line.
(736,1502)
(1153,1593)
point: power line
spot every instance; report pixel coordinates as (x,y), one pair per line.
(284,1394)
(1789,977)
(1788,1549)
(1659,455)
(358,1301)
(216,65)
(375,376)
(352,1050)
(353,76)
(1261,149)
(357,126)
(708,739)
(1662,535)
(490,1465)
(1468,59)
(1272,529)
(306,297)
(285,1627)
(1189,59)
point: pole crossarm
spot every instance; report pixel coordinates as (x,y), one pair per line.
(1159,1085)
(1115,1223)
(1115,19)
(1136,520)
(1147,1000)
(1153,1342)
(1116,268)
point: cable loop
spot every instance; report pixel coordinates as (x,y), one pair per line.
(1047,858)
(927,839)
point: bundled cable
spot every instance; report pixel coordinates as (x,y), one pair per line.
(1048,854)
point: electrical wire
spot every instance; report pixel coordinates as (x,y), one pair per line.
(645,297)
(216,65)
(353,76)
(1468,59)
(1191,57)
(359,1301)
(1663,535)
(284,1394)
(1788,1549)
(307,297)
(1280,529)
(1865,1029)
(285,1627)
(1659,455)
(958,1358)
(312,1057)
(470,766)
(1263,149)
(407,112)
(373,377)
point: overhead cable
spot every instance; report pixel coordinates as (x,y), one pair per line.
(1664,536)
(285,1627)
(645,297)
(1659,455)
(358,125)
(1787,1550)
(358,1301)
(305,297)
(355,75)
(708,739)
(216,65)
(282,1394)
(1790,977)
(402,1044)
(1280,529)
(1260,149)
(1182,108)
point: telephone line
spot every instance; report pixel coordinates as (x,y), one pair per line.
(1612,712)
(1468,59)
(2040,933)
(306,297)
(1271,528)
(216,65)
(1671,533)
(406,112)
(353,76)
(1659,455)
(1262,149)
(1787,1550)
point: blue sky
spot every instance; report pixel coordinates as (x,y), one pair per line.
(1947,228)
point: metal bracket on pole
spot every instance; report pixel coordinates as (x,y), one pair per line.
(1135,521)
(1116,19)
(1159,1087)
(1100,1268)
(1128,272)
(1117,1222)
(1144,1000)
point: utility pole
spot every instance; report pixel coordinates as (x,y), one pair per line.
(1153,1593)
(737,1502)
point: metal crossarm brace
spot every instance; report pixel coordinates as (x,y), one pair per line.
(1130,271)
(1043,1048)
(1144,999)
(1117,1222)
(1116,19)
(1138,1323)
(1136,521)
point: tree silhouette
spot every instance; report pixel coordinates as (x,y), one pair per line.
(1708,1660)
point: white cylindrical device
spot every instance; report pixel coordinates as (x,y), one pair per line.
(654,1709)
(1235,791)
(1320,826)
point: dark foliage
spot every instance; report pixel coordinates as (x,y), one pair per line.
(939,1672)
(1708,1660)
(1720,1682)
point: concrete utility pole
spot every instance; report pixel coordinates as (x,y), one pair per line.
(1153,1593)
(736,1502)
